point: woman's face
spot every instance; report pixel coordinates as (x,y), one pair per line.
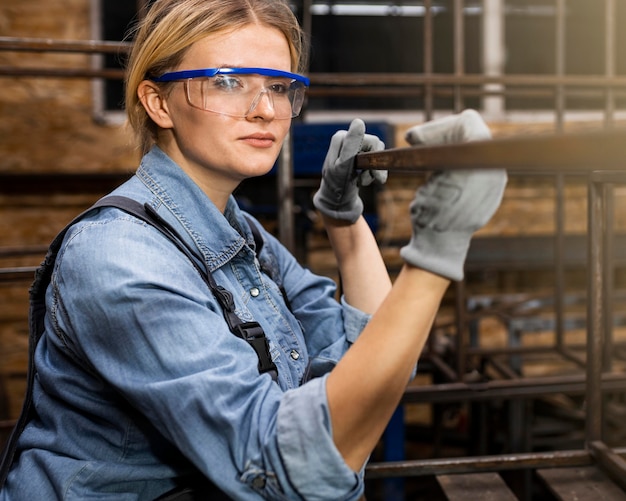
(219,151)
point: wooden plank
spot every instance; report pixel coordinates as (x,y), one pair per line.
(473,486)
(586,483)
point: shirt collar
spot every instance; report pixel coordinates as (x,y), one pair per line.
(181,202)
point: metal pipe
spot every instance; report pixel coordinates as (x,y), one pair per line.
(52,45)
(595,333)
(428,58)
(610,462)
(559,253)
(284,180)
(412,79)
(520,388)
(85,72)
(610,57)
(495,463)
(459,52)
(560,63)
(493,46)
(571,153)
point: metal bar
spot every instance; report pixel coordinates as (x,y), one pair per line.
(561,152)
(594,314)
(428,58)
(610,462)
(560,63)
(502,462)
(568,354)
(559,243)
(31,250)
(610,52)
(284,180)
(447,371)
(109,73)
(307,21)
(461,322)
(559,253)
(322,90)
(344,79)
(52,45)
(504,369)
(17,274)
(356,84)
(521,388)
(7,424)
(459,52)
(492,52)
(480,351)
(417,79)
(601,176)
(608,268)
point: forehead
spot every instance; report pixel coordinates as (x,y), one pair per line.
(249,46)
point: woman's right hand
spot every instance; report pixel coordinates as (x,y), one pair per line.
(452,204)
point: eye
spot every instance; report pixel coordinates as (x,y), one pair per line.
(227,83)
(279,87)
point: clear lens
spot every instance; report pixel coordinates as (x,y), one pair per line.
(238,95)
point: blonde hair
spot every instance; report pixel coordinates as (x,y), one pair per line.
(170,27)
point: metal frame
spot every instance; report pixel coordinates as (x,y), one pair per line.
(602,158)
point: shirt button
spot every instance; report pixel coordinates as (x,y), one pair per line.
(294,355)
(254,292)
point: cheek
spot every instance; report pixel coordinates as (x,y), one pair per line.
(281,131)
(199,127)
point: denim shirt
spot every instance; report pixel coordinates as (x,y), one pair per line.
(139,380)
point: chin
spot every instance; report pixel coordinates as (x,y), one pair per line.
(260,167)
(260,171)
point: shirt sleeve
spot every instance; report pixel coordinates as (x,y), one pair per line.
(354,320)
(313,463)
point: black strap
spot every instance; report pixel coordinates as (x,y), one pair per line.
(252,332)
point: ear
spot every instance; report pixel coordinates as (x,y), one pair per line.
(151,97)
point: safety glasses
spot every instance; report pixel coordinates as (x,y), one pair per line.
(236,92)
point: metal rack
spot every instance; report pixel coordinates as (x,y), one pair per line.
(601,157)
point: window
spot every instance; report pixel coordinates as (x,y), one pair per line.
(386,37)
(111,21)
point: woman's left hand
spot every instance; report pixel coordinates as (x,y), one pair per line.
(338,194)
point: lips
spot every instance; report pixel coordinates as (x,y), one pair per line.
(260,140)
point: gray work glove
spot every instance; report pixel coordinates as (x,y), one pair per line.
(452,204)
(338,194)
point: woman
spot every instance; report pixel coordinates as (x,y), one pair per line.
(141,386)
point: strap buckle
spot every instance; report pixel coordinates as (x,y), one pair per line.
(253,333)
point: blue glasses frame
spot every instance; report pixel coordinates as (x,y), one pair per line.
(211,72)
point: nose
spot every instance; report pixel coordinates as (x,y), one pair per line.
(262,108)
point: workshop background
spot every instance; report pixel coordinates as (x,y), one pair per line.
(532,68)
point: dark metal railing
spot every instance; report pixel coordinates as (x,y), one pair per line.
(601,156)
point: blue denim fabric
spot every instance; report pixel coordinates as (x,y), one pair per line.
(140,380)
